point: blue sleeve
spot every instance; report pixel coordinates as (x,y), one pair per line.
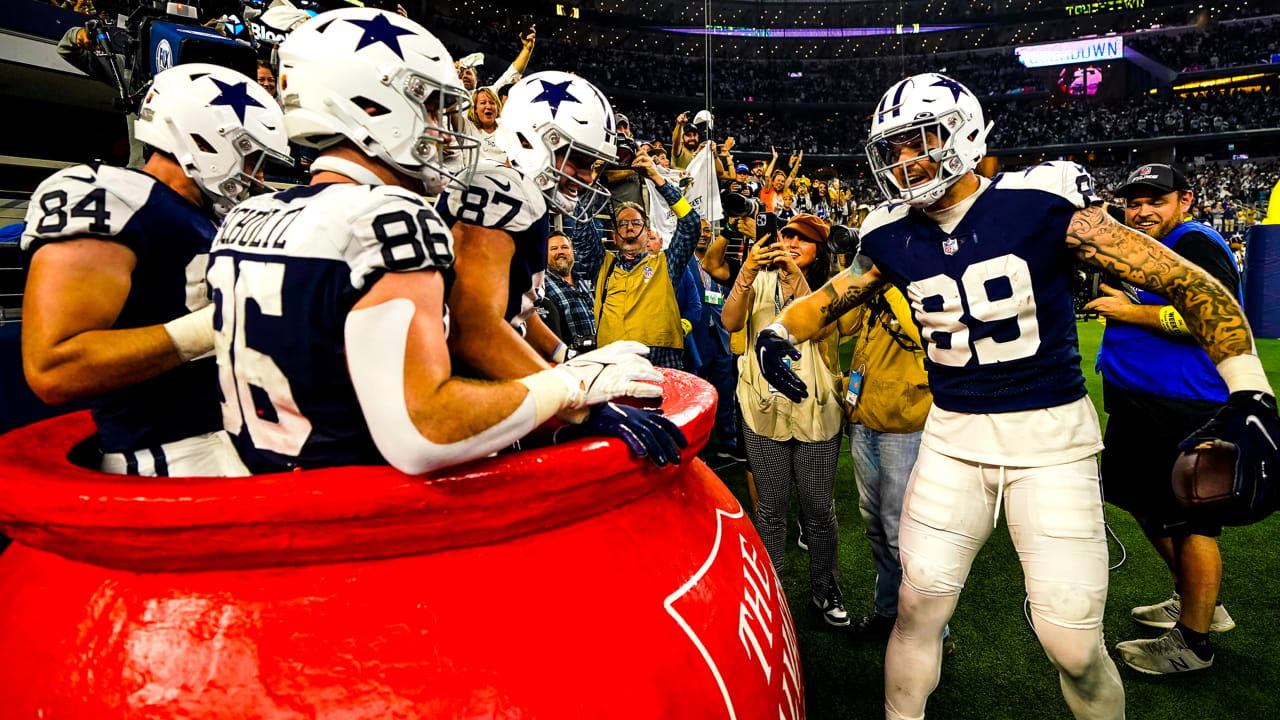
(687,297)
(588,247)
(685,239)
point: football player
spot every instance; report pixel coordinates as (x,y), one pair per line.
(986,265)
(555,127)
(116,308)
(331,320)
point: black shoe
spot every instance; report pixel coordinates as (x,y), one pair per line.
(832,608)
(872,628)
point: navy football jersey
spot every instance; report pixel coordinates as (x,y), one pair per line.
(170,238)
(500,198)
(285,271)
(992,298)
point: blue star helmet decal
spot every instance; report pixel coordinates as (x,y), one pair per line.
(381,30)
(956,88)
(234,96)
(554,93)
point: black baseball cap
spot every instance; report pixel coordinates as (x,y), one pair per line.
(1155,176)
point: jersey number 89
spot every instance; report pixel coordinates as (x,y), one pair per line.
(946,321)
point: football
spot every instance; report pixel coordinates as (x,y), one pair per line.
(1204,477)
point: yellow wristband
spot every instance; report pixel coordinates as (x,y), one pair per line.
(1172,322)
(686,326)
(682,208)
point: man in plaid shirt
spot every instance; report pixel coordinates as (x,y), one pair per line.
(569,298)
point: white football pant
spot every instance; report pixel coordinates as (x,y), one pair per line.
(209,455)
(1055,520)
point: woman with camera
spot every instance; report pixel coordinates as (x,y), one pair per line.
(792,442)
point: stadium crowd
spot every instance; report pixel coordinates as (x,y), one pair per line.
(1225,46)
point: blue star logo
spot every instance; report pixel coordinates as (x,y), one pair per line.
(956,88)
(234,96)
(381,30)
(554,93)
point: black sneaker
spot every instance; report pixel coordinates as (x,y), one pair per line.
(832,608)
(872,628)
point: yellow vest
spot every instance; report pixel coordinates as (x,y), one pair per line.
(895,396)
(816,418)
(640,304)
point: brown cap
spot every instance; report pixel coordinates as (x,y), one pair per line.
(809,227)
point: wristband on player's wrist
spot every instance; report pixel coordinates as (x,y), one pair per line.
(192,334)
(1244,373)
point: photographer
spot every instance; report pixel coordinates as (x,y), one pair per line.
(787,441)
(635,291)
(1158,386)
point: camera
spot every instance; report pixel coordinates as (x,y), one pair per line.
(1086,280)
(627,152)
(161,34)
(842,239)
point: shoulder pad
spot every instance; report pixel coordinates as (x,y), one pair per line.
(85,200)
(499,197)
(1060,177)
(883,215)
(396,230)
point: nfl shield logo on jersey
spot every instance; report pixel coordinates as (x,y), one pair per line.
(951,245)
(648,273)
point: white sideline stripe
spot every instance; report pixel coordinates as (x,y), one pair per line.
(715,671)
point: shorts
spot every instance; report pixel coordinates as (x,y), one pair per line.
(1137,472)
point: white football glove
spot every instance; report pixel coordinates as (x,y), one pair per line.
(613,371)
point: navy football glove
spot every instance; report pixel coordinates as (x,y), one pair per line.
(773,347)
(1248,422)
(646,432)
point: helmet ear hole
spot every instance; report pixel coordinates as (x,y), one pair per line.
(372,108)
(202,144)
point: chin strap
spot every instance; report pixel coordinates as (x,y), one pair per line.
(353,170)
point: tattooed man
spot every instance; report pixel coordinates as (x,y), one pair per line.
(986,265)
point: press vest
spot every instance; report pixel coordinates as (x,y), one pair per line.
(816,418)
(637,304)
(1148,362)
(895,395)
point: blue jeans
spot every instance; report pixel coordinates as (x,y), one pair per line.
(882,465)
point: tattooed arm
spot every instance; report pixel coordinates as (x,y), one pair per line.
(806,318)
(1212,315)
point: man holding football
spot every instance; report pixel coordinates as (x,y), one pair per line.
(986,266)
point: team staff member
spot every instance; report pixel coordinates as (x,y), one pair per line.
(635,291)
(1159,386)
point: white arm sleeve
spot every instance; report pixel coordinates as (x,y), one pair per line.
(376,338)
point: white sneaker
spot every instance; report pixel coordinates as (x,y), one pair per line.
(1165,615)
(1163,655)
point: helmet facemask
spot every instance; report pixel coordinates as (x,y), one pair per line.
(883,152)
(447,157)
(550,179)
(236,186)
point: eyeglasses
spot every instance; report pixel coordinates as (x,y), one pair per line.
(638,223)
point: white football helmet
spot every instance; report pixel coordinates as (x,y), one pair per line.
(552,111)
(384,83)
(908,113)
(212,119)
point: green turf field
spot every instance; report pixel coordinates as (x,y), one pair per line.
(998,669)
